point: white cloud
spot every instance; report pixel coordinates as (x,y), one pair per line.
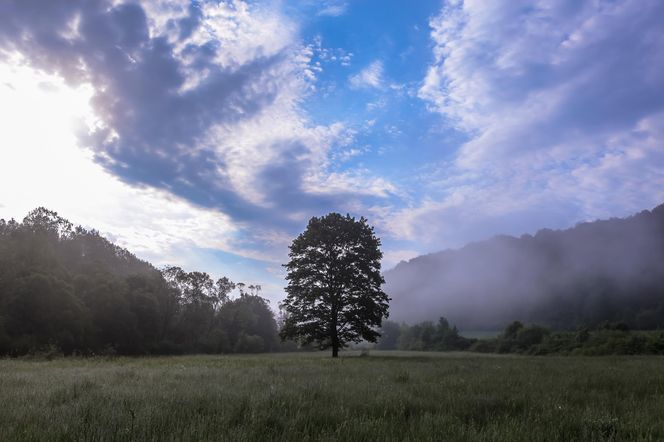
(244,34)
(561,106)
(333,9)
(626,176)
(522,78)
(358,182)
(280,133)
(369,77)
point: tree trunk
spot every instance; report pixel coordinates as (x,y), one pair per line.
(334,331)
(335,341)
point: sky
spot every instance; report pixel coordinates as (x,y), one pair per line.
(206,134)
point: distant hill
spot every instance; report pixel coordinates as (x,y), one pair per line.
(611,270)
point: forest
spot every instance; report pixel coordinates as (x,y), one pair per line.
(68,289)
(607,270)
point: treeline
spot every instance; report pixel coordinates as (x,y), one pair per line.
(425,336)
(68,289)
(608,338)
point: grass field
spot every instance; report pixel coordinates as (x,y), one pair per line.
(385,396)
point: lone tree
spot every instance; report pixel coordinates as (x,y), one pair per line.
(334,284)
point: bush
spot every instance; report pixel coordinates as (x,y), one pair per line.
(655,343)
(46,352)
(484,346)
(249,344)
(512,329)
(530,336)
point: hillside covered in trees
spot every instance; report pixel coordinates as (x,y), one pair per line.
(610,270)
(70,290)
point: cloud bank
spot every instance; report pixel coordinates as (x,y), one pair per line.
(562,104)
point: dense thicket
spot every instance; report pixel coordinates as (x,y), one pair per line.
(600,271)
(425,336)
(608,338)
(69,289)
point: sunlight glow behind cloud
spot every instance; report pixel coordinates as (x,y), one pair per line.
(44,166)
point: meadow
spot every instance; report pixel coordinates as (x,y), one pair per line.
(310,396)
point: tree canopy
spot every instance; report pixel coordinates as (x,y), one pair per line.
(67,289)
(334,294)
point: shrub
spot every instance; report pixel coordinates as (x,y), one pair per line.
(530,336)
(484,346)
(249,344)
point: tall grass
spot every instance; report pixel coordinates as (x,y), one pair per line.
(386,396)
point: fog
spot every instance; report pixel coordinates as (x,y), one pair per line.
(600,271)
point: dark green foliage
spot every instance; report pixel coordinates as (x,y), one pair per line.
(389,336)
(518,338)
(248,325)
(608,339)
(423,336)
(530,336)
(334,294)
(71,290)
(512,329)
(619,325)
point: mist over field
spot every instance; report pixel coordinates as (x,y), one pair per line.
(596,271)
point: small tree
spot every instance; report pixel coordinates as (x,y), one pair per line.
(334,284)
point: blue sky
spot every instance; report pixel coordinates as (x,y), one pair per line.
(207,133)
